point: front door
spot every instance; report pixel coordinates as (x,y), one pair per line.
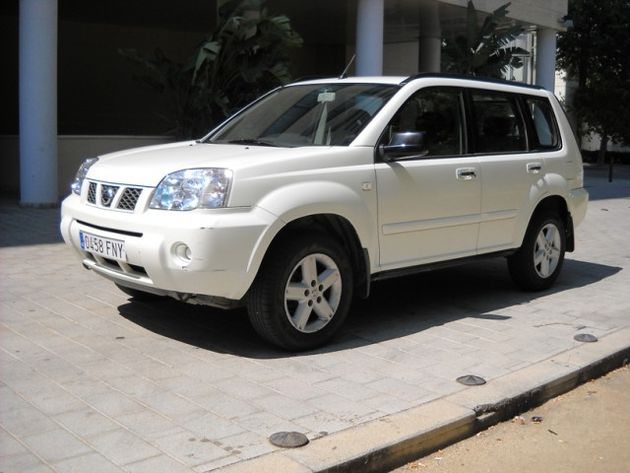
(429,205)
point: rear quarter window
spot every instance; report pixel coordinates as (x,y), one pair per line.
(545,128)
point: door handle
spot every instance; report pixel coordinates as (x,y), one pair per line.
(534,168)
(466,174)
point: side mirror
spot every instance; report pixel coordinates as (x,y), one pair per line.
(404,145)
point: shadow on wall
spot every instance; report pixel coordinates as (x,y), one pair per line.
(395,309)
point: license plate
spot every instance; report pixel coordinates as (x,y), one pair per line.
(107,247)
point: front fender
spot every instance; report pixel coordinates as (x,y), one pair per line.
(296,201)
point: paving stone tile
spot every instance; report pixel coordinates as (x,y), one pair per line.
(113,403)
(56,445)
(92,462)
(266,423)
(346,389)
(225,406)
(10,446)
(170,405)
(321,423)
(247,444)
(191,450)
(217,464)
(20,463)
(26,420)
(293,389)
(284,407)
(159,464)
(148,424)
(343,408)
(86,422)
(213,427)
(122,447)
(243,389)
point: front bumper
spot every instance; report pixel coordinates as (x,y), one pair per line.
(223,245)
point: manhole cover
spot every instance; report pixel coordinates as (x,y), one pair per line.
(288,439)
(471,380)
(585,337)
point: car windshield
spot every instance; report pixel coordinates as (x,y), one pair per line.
(307,115)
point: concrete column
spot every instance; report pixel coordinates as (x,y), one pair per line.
(546,58)
(38,102)
(369,38)
(430,37)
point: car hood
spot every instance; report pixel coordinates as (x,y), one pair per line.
(148,165)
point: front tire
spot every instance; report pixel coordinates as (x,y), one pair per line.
(302,293)
(536,265)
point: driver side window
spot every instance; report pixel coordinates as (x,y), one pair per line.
(437,113)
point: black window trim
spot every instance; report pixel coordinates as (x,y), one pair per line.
(470,133)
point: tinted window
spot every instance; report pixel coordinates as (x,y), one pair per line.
(499,126)
(544,123)
(438,114)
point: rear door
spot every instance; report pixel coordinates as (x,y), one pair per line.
(511,174)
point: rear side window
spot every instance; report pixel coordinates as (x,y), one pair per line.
(499,125)
(544,123)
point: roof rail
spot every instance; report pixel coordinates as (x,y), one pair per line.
(449,75)
(310,77)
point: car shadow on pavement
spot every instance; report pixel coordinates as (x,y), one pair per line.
(27,226)
(396,308)
(598,187)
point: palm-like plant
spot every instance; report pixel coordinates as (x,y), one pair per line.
(246,55)
(485,48)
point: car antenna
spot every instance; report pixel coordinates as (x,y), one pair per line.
(344,74)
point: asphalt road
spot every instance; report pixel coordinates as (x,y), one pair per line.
(586,430)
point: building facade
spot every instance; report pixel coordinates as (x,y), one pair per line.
(73,95)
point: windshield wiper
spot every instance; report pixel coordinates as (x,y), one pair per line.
(250,141)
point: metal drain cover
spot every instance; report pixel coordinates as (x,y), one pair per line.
(288,439)
(471,380)
(585,337)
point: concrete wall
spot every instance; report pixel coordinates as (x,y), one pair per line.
(544,13)
(73,149)
(400,59)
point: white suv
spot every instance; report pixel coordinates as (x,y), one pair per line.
(294,205)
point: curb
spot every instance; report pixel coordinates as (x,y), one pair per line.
(394,440)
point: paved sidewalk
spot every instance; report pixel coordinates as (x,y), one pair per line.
(90,381)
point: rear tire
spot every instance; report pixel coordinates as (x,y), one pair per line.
(302,292)
(536,265)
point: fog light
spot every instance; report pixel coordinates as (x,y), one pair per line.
(182,253)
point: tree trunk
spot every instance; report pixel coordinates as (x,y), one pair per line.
(603,146)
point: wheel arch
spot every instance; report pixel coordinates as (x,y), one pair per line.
(342,231)
(557,204)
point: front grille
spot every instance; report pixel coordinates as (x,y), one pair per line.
(129,198)
(107,194)
(114,197)
(91,198)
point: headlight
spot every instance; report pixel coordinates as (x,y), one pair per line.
(81,173)
(193,188)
